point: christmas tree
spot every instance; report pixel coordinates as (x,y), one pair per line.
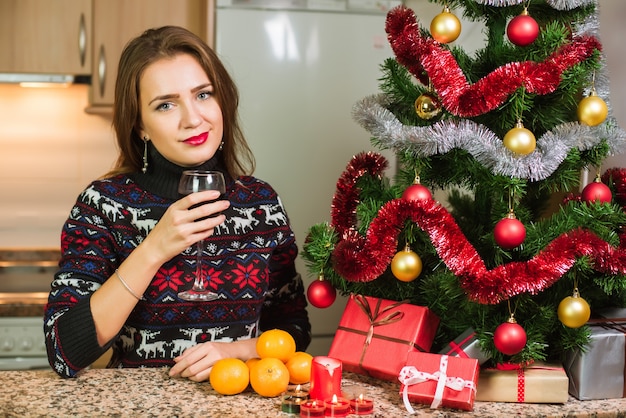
(515,251)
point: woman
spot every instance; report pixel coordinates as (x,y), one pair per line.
(129,243)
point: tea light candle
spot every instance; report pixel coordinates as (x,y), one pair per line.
(298,392)
(337,407)
(312,409)
(292,399)
(291,404)
(325,378)
(362,406)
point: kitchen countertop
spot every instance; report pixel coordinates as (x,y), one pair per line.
(152,393)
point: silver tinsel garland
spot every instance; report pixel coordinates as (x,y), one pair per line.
(482,143)
(555,4)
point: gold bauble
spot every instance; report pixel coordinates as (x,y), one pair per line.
(427,106)
(445,27)
(406,266)
(592,110)
(520,140)
(574,311)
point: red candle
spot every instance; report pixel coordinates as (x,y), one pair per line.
(337,407)
(361,406)
(325,378)
(311,409)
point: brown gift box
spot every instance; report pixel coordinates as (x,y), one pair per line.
(538,383)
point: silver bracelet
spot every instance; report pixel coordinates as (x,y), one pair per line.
(117,273)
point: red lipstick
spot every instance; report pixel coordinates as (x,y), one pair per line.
(198,139)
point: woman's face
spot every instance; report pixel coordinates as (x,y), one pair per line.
(179,113)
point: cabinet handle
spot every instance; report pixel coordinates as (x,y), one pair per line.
(82,40)
(102,70)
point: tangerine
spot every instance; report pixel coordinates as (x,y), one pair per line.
(269,377)
(229,376)
(299,366)
(276,343)
(251,361)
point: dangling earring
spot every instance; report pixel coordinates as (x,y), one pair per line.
(221,146)
(144,169)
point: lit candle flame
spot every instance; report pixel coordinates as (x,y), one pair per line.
(361,397)
(335,399)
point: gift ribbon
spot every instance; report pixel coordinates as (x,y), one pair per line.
(376,318)
(458,347)
(409,375)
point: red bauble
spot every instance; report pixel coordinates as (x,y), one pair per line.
(509,233)
(522,30)
(509,338)
(417,192)
(596,191)
(321,294)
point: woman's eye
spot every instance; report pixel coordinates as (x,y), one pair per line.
(204,95)
(164,106)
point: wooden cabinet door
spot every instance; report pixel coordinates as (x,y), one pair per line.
(117,21)
(43,36)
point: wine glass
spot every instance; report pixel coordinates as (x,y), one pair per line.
(193,181)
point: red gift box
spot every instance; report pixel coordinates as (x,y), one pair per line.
(439,380)
(375,336)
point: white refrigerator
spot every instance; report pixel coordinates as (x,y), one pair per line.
(300,66)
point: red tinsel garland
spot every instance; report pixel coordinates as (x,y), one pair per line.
(343,209)
(420,55)
(360,258)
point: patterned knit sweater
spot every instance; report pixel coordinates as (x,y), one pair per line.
(249,262)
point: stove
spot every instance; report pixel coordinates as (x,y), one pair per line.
(25,276)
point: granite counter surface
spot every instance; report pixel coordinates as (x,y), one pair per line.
(152,393)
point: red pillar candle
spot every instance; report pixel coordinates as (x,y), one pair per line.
(312,409)
(336,407)
(361,406)
(325,378)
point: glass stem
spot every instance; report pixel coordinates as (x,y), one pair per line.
(198,284)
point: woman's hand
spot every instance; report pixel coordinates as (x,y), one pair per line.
(196,362)
(178,228)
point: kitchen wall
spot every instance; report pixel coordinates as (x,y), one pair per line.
(49,150)
(612,16)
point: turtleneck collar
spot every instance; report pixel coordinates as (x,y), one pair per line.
(163,175)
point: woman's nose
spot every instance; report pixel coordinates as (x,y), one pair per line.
(191,116)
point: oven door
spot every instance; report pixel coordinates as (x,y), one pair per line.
(25,277)
(22,344)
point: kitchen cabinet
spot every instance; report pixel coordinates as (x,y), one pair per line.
(117,21)
(86,37)
(42,36)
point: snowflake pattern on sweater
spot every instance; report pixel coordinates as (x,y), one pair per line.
(249,262)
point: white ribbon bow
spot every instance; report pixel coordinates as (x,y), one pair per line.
(409,375)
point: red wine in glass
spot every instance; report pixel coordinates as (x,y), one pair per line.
(193,181)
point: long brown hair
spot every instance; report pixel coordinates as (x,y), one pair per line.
(167,42)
